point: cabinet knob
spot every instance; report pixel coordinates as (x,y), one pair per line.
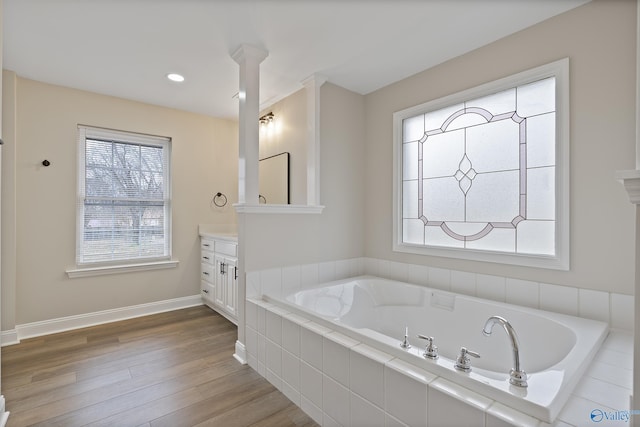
(205,291)
(205,273)
(205,257)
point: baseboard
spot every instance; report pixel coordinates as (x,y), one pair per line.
(241,353)
(4,416)
(9,337)
(46,327)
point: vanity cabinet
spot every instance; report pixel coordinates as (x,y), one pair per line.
(219,274)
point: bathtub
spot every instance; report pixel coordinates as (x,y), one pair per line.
(555,349)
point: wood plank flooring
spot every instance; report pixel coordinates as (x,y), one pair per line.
(171,369)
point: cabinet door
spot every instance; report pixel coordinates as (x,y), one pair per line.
(231,284)
(220,282)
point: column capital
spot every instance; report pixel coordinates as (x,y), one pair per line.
(631,181)
(247,51)
(314,79)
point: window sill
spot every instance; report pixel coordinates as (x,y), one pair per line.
(278,209)
(122,268)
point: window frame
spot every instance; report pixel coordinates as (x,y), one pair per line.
(561,260)
(86,268)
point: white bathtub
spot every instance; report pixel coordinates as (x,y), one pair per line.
(555,349)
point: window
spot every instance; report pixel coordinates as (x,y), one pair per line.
(124,205)
(483,174)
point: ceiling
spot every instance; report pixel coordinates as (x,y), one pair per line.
(125,48)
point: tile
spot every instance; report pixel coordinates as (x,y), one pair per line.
(274,357)
(291,336)
(310,409)
(291,370)
(463,282)
(336,357)
(611,373)
(308,276)
(603,393)
(577,412)
(335,401)
(326,272)
(619,340)
(371,267)
(440,278)
(384,268)
(274,379)
(489,287)
(616,358)
(251,340)
(273,330)
(271,282)
(253,362)
(357,267)
(262,370)
(390,421)
(593,305)
(261,354)
(622,308)
(342,269)
(261,320)
(291,278)
(311,343)
(460,393)
(311,384)
(251,315)
(365,413)
(398,271)
(254,290)
(522,292)
(446,409)
(405,392)
(366,373)
(499,415)
(559,299)
(327,421)
(419,274)
(292,393)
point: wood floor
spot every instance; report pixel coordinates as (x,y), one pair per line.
(172,369)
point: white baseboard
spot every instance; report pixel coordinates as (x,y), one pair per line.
(46,327)
(9,337)
(241,353)
(4,416)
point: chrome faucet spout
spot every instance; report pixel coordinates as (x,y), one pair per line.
(517,376)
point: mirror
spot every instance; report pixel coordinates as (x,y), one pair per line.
(274,179)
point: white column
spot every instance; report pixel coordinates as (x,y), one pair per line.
(312,86)
(249,59)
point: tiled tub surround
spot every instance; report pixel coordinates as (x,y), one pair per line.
(341,381)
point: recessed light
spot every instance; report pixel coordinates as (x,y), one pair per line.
(175,77)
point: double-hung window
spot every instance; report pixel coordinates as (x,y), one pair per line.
(484,174)
(124,203)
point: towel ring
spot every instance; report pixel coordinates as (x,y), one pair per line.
(262,199)
(219,199)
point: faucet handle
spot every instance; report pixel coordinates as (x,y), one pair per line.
(430,351)
(463,363)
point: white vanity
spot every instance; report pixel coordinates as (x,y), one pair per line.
(219,273)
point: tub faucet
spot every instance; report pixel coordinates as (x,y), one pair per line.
(517,376)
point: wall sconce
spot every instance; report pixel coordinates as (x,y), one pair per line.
(266,119)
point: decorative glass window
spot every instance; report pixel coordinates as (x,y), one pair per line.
(124,209)
(483,174)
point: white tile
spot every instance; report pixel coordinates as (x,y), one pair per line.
(274,327)
(251,315)
(254,290)
(274,379)
(419,274)
(253,362)
(460,393)
(593,305)
(335,401)
(336,356)
(493,288)
(291,369)
(499,415)
(261,320)
(357,267)
(271,282)
(274,357)
(310,409)
(463,282)
(390,421)
(365,413)
(619,340)
(559,299)
(522,292)
(384,268)
(366,373)
(327,421)
(440,278)
(398,271)
(308,275)
(622,308)
(577,412)
(343,269)
(611,373)
(251,340)
(371,267)
(291,278)
(616,358)
(445,409)
(311,343)
(405,394)
(261,354)
(291,336)
(326,272)
(311,384)
(262,370)
(603,393)
(292,394)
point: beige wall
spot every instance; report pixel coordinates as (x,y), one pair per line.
(274,240)
(289,133)
(599,39)
(204,161)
